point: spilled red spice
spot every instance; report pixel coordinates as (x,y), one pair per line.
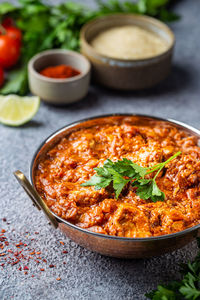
(19,253)
(60,72)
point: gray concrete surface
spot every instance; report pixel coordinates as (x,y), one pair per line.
(88,275)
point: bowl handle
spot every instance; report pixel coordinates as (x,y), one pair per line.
(33,194)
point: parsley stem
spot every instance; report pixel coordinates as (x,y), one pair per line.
(162,165)
(153,169)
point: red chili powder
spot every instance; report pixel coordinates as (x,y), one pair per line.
(61,71)
(21,252)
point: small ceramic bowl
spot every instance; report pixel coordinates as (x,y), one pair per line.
(130,74)
(59,91)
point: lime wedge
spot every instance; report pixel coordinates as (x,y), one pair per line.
(16,110)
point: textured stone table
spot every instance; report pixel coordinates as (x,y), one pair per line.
(88,275)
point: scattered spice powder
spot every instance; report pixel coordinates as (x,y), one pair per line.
(15,262)
(51,266)
(59,72)
(23,254)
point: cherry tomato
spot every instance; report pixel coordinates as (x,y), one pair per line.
(7,22)
(9,51)
(1,77)
(14,33)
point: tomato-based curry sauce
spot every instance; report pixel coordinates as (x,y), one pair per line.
(72,160)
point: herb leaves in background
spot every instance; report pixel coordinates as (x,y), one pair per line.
(187,288)
(46,27)
(154,8)
(121,172)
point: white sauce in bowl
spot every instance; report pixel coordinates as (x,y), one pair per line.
(129,42)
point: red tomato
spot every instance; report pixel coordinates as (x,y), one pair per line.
(14,33)
(8,22)
(9,51)
(1,76)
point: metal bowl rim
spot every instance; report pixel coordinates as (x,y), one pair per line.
(100,235)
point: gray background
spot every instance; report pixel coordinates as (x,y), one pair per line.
(89,275)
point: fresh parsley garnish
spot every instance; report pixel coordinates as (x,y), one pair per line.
(121,172)
(187,288)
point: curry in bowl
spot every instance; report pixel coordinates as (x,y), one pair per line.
(63,178)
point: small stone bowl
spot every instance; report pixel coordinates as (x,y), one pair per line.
(59,91)
(127,74)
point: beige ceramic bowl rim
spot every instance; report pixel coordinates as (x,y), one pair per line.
(58,51)
(145,19)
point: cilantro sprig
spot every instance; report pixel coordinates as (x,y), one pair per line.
(187,288)
(119,173)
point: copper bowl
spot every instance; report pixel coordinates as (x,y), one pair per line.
(105,244)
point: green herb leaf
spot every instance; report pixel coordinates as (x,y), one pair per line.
(6,7)
(118,184)
(157,194)
(187,288)
(144,190)
(128,168)
(148,189)
(16,83)
(162,293)
(98,182)
(106,175)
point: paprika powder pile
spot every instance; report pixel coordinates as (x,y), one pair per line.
(60,72)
